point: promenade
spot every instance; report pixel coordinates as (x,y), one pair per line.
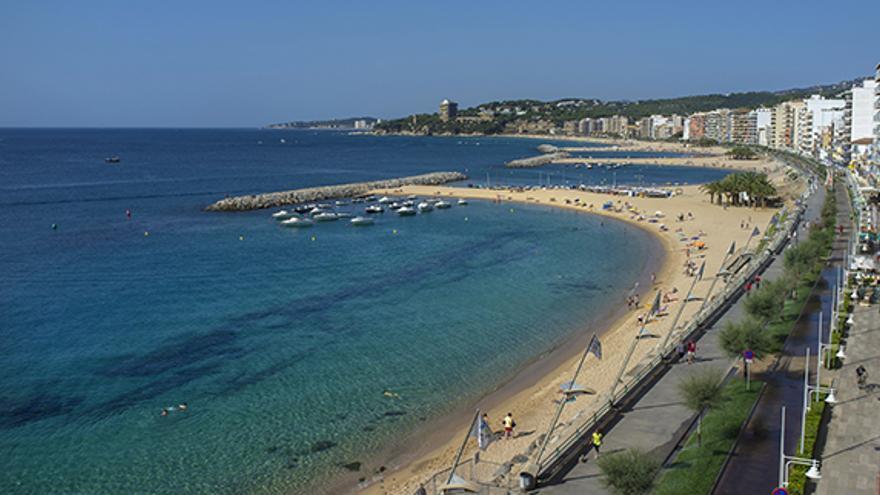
(659,419)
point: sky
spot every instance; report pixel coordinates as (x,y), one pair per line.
(241,64)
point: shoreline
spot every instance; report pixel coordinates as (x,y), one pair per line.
(431,439)
(529,392)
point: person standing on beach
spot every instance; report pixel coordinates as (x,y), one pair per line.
(509,425)
(691,351)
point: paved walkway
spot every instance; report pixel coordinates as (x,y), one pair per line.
(851,457)
(659,418)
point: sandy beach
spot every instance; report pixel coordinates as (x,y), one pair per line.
(531,395)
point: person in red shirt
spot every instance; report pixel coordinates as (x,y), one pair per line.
(691,351)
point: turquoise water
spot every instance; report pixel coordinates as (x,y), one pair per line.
(280,341)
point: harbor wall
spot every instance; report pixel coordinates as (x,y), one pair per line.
(310,194)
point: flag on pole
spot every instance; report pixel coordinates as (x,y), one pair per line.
(482,432)
(731,249)
(755,232)
(595,347)
(700,273)
(655,308)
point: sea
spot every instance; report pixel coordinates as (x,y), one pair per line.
(299,353)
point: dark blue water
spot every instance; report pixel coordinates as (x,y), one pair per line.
(281,341)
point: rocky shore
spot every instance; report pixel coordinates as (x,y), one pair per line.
(310,194)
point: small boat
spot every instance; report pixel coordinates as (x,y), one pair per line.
(384,200)
(297,222)
(406,211)
(424,206)
(412,197)
(442,205)
(340,203)
(374,209)
(395,205)
(361,221)
(326,217)
(113,159)
(316,211)
(462,202)
(408,204)
(282,215)
(357,200)
(302,208)
(325,206)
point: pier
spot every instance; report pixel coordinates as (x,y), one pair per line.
(309,194)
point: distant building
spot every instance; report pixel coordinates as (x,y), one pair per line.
(762,125)
(745,127)
(362,124)
(696,127)
(448,110)
(876,158)
(644,128)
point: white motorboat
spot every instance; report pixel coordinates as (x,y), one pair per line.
(408,204)
(424,206)
(283,215)
(340,203)
(384,200)
(395,205)
(316,211)
(361,221)
(442,205)
(374,209)
(462,202)
(412,197)
(406,211)
(343,214)
(297,222)
(326,217)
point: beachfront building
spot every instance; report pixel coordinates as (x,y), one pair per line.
(616,125)
(762,125)
(696,127)
(781,130)
(876,155)
(822,115)
(448,110)
(858,120)
(644,128)
(718,125)
(745,127)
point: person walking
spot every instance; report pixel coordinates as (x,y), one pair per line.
(862,375)
(509,425)
(691,351)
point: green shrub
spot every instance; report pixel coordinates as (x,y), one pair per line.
(630,472)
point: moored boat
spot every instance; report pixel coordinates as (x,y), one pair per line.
(374,209)
(425,206)
(442,205)
(283,215)
(406,211)
(361,221)
(297,222)
(462,202)
(326,217)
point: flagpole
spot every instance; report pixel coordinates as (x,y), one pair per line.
(632,348)
(681,310)
(463,445)
(715,279)
(562,403)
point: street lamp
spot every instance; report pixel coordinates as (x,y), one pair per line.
(840,355)
(786,461)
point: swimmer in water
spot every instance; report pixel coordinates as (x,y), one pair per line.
(164,412)
(182,406)
(388,393)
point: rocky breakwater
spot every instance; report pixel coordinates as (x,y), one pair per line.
(311,194)
(536,161)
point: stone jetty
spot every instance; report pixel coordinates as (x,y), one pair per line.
(311,194)
(537,161)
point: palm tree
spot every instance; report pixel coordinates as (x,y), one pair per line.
(701,392)
(711,188)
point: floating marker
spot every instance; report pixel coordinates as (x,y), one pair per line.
(511,210)
(241,238)
(394,231)
(314,238)
(54,226)
(146,234)
(465,219)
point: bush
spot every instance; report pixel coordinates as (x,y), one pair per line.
(747,334)
(766,302)
(630,472)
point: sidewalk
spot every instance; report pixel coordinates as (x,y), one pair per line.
(851,457)
(659,418)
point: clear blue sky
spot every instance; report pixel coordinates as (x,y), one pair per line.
(223,63)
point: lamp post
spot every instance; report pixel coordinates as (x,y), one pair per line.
(786,461)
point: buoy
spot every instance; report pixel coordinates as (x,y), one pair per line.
(54,226)
(128,213)
(465,219)
(241,238)
(146,234)
(511,210)
(314,238)
(394,231)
